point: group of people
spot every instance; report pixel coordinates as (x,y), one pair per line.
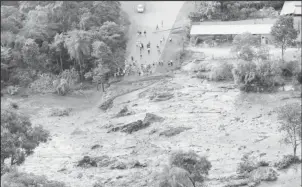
(139,33)
(145,69)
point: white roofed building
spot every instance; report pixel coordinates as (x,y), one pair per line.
(291,8)
(205,31)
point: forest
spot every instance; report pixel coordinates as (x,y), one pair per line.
(49,40)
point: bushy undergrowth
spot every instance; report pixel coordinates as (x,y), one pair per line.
(262,76)
(18,137)
(290,68)
(221,72)
(22,77)
(197,166)
(20,179)
(43,84)
(61,84)
(246,167)
(287,161)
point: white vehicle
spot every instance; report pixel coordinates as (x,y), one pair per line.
(140,8)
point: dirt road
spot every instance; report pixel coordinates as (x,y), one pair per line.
(155,13)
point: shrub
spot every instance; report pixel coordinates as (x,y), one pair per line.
(291,68)
(71,76)
(241,69)
(20,179)
(252,77)
(12,90)
(221,72)
(286,161)
(263,163)
(263,174)
(22,77)
(18,137)
(245,167)
(43,84)
(197,166)
(175,176)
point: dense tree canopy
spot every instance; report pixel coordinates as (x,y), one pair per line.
(18,137)
(52,36)
(235,10)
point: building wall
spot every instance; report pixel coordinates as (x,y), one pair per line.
(264,38)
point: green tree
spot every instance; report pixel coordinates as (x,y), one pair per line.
(58,46)
(244,45)
(18,137)
(284,33)
(290,116)
(78,45)
(112,34)
(31,54)
(106,11)
(10,19)
(66,13)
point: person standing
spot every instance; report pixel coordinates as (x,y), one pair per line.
(132,59)
(145,33)
(157,27)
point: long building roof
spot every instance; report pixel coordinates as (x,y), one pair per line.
(230,29)
(291,7)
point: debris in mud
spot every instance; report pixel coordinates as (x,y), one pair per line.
(98,184)
(124,112)
(131,127)
(237,183)
(153,131)
(77,131)
(106,104)
(151,118)
(134,126)
(173,131)
(61,170)
(61,112)
(137,164)
(114,129)
(14,105)
(95,146)
(161,97)
(104,161)
(118,165)
(87,162)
